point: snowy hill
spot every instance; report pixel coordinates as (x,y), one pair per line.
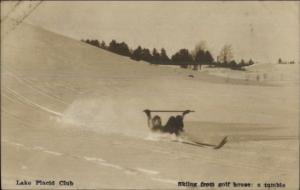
(74,112)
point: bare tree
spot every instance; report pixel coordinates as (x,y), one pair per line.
(226,54)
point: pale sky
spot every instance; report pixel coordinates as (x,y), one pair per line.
(263,31)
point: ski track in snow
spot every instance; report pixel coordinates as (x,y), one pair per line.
(17,144)
(99,161)
(93,159)
(147,171)
(53,152)
(26,100)
(38,148)
(35,89)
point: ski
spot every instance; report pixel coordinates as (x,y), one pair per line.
(169,111)
(222,143)
(199,144)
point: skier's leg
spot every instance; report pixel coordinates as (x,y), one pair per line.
(169,127)
(149,118)
(179,124)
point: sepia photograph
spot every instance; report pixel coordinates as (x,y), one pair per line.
(150,95)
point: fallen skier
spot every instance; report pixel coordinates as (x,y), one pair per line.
(173,125)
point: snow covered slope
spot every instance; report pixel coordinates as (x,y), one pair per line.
(70,111)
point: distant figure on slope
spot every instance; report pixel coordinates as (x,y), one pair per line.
(174,124)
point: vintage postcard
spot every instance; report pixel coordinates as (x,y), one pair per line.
(150,95)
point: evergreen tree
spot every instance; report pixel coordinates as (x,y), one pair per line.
(155,57)
(103,45)
(119,48)
(242,63)
(164,59)
(112,46)
(200,57)
(251,62)
(208,58)
(123,49)
(146,55)
(232,64)
(136,54)
(182,58)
